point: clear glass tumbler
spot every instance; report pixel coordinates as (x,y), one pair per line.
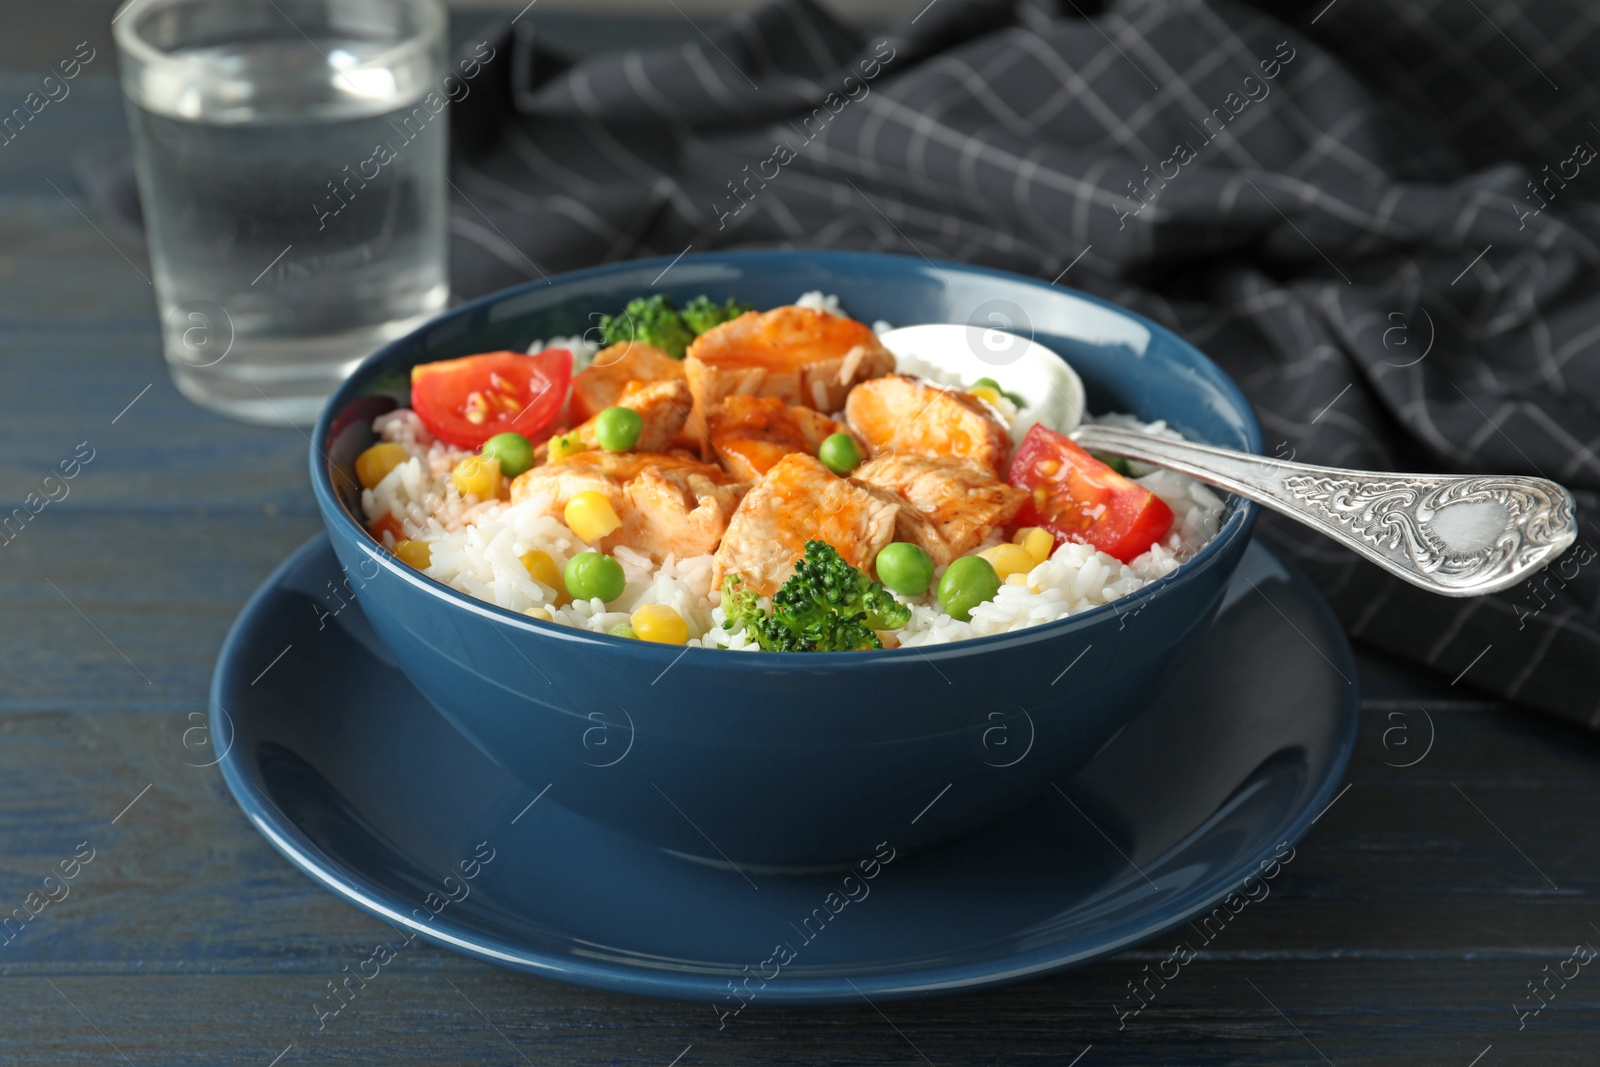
(291,160)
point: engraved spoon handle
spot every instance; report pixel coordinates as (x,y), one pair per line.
(1459,535)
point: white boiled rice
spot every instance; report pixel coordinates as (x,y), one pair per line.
(476,547)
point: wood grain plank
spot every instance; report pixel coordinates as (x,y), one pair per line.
(127,612)
(1221,1013)
(162,455)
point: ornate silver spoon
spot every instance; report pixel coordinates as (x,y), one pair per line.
(1456,534)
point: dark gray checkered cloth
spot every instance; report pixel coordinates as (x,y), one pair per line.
(1383,222)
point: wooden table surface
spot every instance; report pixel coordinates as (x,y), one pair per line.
(1407,930)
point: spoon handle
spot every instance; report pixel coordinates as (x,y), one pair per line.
(1459,535)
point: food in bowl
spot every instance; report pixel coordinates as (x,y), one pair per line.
(726,477)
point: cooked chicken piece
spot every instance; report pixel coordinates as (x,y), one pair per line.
(901,414)
(912,525)
(664,406)
(960,504)
(803,357)
(678,512)
(600,385)
(800,500)
(669,505)
(748,434)
(604,472)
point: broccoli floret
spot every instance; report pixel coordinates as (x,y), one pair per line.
(655,320)
(701,313)
(652,320)
(825,606)
(740,609)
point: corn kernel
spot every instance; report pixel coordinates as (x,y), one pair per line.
(413,554)
(542,614)
(591,516)
(983,392)
(1019,578)
(1036,541)
(543,569)
(660,624)
(1008,560)
(374,465)
(478,476)
(562,446)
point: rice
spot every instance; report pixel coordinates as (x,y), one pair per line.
(817,300)
(476,547)
(580,346)
(1077,577)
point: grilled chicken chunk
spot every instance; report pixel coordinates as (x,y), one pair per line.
(958,505)
(669,505)
(662,404)
(800,500)
(600,385)
(749,434)
(911,525)
(800,356)
(901,414)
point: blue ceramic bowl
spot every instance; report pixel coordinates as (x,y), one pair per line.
(773,759)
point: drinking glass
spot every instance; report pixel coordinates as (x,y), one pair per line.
(291,163)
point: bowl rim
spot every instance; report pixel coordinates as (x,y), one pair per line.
(341,523)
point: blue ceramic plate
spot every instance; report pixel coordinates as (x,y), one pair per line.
(354,777)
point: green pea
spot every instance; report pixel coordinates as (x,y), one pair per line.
(622,629)
(904,568)
(591,574)
(839,453)
(514,451)
(967,582)
(618,429)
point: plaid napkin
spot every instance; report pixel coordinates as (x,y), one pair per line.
(1385,224)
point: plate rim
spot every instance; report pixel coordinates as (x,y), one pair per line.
(286,837)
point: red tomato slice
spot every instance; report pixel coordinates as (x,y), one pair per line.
(1078,498)
(466,401)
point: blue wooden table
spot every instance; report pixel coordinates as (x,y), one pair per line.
(1460,866)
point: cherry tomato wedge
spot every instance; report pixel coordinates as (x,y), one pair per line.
(466,401)
(390,525)
(1078,498)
